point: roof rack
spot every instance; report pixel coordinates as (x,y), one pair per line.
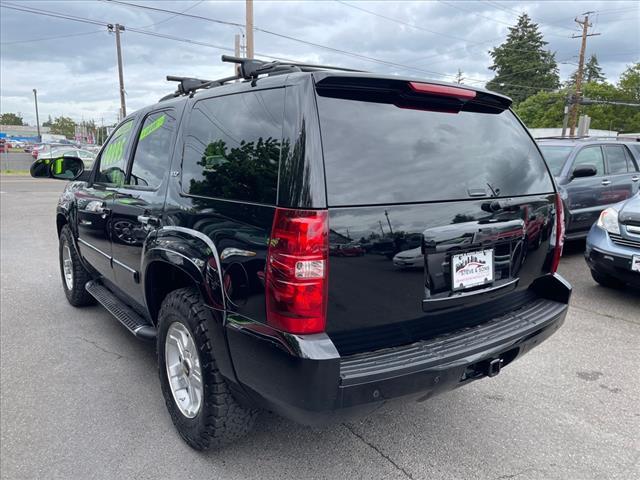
(248,69)
(560,137)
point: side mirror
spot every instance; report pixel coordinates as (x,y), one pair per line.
(62,168)
(584,171)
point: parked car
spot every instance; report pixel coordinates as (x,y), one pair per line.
(86,156)
(592,174)
(413,258)
(45,149)
(3,145)
(204,225)
(613,245)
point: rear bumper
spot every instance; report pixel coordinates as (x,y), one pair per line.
(303,377)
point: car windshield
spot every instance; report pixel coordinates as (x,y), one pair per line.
(556,156)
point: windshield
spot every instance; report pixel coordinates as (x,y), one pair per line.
(555,156)
(378,153)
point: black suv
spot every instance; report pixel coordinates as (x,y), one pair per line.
(592,174)
(207,219)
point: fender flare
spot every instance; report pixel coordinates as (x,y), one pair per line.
(199,260)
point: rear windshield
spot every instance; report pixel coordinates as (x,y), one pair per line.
(556,156)
(377,153)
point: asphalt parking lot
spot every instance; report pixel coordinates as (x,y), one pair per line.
(80,397)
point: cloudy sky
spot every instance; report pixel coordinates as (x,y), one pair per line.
(73,63)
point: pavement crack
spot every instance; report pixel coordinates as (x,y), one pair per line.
(377,450)
(573,306)
(517,474)
(99,347)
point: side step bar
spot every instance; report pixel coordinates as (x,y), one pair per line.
(126,315)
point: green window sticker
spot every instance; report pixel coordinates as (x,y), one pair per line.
(152,127)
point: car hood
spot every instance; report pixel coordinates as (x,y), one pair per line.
(630,211)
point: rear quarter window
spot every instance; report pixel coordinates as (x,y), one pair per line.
(378,153)
(232,147)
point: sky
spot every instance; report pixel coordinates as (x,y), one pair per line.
(73,65)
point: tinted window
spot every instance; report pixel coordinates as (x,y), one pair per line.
(233,147)
(377,153)
(632,165)
(113,162)
(153,152)
(616,159)
(555,156)
(590,156)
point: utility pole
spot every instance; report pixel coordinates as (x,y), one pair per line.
(249,28)
(386,214)
(576,97)
(35,97)
(117,28)
(236,52)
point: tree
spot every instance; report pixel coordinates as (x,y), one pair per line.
(522,65)
(11,119)
(64,126)
(592,72)
(629,83)
(48,123)
(546,109)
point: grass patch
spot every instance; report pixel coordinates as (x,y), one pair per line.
(14,172)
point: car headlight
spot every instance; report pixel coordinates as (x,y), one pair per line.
(608,221)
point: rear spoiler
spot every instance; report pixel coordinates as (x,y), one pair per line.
(411,94)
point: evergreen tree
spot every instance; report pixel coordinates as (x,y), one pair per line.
(592,72)
(522,65)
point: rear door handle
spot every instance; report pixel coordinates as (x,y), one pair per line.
(635,178)
(606,182)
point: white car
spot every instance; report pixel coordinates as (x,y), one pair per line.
(86,156)
(413,258)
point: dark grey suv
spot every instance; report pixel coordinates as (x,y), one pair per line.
(592,174)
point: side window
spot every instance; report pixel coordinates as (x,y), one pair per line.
(153,152)
(616,159)
(113,161)
(232,147)
(632,165)
(590,156)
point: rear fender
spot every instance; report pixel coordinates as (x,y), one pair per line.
(192,252)
(195,255)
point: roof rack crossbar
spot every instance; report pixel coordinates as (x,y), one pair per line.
(248,69)
(251,68)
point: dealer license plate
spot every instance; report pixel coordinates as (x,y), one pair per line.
(471,269)
(635,263)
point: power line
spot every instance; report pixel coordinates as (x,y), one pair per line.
(195,42)
(173,16)
(452,5)
(401,22)
(55,37)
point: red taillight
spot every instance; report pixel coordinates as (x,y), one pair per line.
(296,271)
(557,253)
(442,90)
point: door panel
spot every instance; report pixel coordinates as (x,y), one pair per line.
(621,173)
(94,205)
(587,196)
(138,204)
(132,221)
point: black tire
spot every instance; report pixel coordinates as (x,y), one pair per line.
(221,419)
(607,280)
(77,295)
